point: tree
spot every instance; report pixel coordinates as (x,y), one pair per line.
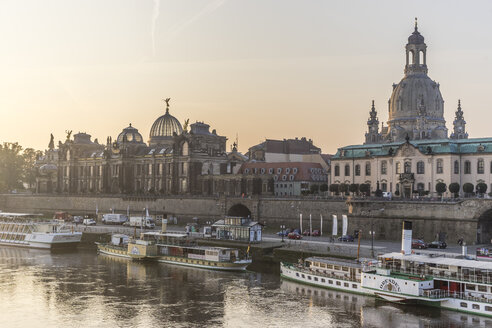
(468,188)
(481,188)
(440,188)
(323,187)
(29,173)
(314,188)
(365,188)
(343,188)
(353,188)
(454,188)
(335,187)
(11,166)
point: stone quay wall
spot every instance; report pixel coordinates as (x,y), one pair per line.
(453,219)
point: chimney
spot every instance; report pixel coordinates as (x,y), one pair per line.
(164,225)
(406,238)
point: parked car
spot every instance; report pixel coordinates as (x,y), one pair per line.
(418,243)
(283,233)
(294,235)
(387,195)
(316,233)
(346,238)
(89,222)
(437,244)
(77,219)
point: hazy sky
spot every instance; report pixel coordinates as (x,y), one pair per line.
(258,68)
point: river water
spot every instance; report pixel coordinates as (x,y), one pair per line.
(82,289)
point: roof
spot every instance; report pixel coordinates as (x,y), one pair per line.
(288,146)
(340,262)
(436,146)
(300,171)
(248,224)
(481,265)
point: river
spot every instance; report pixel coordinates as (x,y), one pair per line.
(82,289)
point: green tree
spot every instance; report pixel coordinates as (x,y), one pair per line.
(335,187)
(343,188)
(365,188)
(323,187)
(454,188)
(29,158)
(11,166)
(353,188)
(468,188)
(441,188)
(481,188)
(314,188)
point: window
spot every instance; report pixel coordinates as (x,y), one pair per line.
(420,188)
(347,170)
(480,166)
(398,167)
(357,170)
(384,167)
(384,186)
(407,167)
(368,168)
(345,284)
(339,283)
(420,167)
(463,304)
(323,280)
(439,166)
(262,170)
(337,170)
(488,308)
(482,288)
(476,306)
(467,167)
(456,167)
(287,170)
(270,170)
(279,170)
(354,286)
(294,170)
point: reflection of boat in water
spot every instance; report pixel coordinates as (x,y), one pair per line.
(23,230)
(435,280)
(175,248)
(377,313)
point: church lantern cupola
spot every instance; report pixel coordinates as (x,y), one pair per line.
(416,49)
(459,124)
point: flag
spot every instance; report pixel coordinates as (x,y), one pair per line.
(344,225)
(300,222)
(335,225)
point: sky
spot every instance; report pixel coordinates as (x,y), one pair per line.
(253,68)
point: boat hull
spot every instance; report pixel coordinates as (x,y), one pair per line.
(46,241)
(211,265)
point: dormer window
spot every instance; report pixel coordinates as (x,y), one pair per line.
(279,170)
(294,170)
(287,170)
(270,170)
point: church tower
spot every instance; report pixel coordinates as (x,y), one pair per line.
(373,136)
(459,123)
(416,106)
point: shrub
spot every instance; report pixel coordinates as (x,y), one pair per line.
(481,188)
(365,188)
(468,188)
(354,187)
(335,187)
(441,188)
(323,187)
(454,188)
(314,188)
(343,188)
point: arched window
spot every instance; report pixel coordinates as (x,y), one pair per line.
(398,167)
(439,167)
(368,168)
(407,167)
(456,167)
(480,166)
(420,167)
(384,167)
(357,170)
(421,58)
(337,170)
(467,167)
(347,170)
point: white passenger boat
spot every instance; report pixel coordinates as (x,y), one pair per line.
(433,279)
(24,230)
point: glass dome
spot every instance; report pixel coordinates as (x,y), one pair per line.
(164,128)
(130,135)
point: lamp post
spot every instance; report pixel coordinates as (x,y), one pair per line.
(282,231)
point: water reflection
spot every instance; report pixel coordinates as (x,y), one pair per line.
(81,289)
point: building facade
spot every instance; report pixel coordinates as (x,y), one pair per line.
(413,153)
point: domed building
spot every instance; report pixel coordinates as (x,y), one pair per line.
(412,155)
(164,128)
(130,136)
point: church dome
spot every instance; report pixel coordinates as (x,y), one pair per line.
(415,37)
(164,128)
(130,135)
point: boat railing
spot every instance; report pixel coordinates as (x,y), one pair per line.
(485,278)
(440,293)
(318,272)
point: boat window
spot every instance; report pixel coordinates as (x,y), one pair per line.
(328,266)
(323,280)
(315,279)
(345,284)
(336,267)
(330,282)
(463,304)
(488,308)
(297,274)
(476,306)
(309,277)
(470,287)
(354,286)
(323,265)
(482,288)
(338,283)
(303,276)
(345,268)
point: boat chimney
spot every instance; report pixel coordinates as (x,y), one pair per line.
(464,250)
(164,225)
(406,238)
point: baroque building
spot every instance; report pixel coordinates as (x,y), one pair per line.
(413,153)
(170,164)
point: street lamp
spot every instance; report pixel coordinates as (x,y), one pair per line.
(282,231)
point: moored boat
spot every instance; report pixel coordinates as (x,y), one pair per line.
(26,230)
(432,279)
